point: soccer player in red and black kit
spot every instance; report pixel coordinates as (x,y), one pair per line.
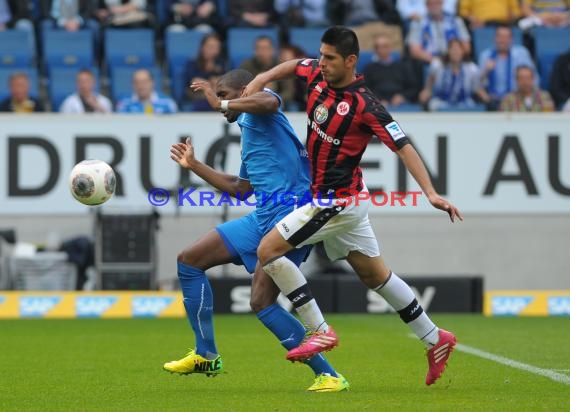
(343,116)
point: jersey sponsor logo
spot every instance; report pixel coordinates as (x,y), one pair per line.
(325,137)
(93,306)
(319,88)
(395,130)
(559,305)
(285,227)
(144,306)
(37,306)
(321,114)
(307,62)
(510,305)
(342,108)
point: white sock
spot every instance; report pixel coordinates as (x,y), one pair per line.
(400,296)
(293,284)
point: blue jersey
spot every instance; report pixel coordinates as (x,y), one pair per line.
(274,161)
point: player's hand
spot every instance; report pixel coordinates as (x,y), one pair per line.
(183,154)
(256,85)
(205,87)
(440,203)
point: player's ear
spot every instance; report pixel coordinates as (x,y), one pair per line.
(351,60)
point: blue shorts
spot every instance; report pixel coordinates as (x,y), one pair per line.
(242,237)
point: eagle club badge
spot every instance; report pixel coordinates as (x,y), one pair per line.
(321,113)
(342,108)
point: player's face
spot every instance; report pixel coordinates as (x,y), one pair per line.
(337,70)
(227,93)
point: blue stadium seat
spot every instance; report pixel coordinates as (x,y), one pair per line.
(62,83)
(182,46)
(405,108)
(162,11)
(241,43)
(177,82)
(6,72)
(132,47)
(364,58)
(307,38)
(16,49)
(121,81)
(484,38)
(68,49)
(549,44)
(463,109)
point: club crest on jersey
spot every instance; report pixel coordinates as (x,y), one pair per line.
(342,108)
(321,114)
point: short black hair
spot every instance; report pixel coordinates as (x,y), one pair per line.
(236,79)
(344,39)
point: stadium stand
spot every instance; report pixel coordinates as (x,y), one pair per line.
(16,49)
(68,49)
(549,44)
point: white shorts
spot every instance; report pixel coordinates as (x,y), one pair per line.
(341,228)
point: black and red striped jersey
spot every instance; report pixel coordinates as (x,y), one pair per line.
(340,124)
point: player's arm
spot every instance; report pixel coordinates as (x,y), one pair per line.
(183,154)
(416,167)
(258,103)
(281,71)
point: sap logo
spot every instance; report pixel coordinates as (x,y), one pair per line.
(240,296)
(559,305)
(144,306)
(395,130)
(377,304)
(93,306)
(509,305)
(37,306)
(285,227)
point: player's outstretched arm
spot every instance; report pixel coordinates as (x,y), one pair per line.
(183,154)
(416,167)
(281,71)
(258,103)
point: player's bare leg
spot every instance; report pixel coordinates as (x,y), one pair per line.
(377,276)
(293,284)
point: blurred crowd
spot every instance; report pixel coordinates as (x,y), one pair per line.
(417,55)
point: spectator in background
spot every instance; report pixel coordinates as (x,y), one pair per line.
(263,56)
(20,100)
(553,13)
(293,92)
(251,13)
(560,80)
(145,99)
(527,97)
(390,78)
(69,15)
(193,14)
(415,10)
(86,99)
(358,12)
(429,37)
(15,14)
(498,65)
(481,13)
(452,82)
(209,64)
(302,13)
(124,13)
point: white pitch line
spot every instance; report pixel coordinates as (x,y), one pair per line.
(547,373)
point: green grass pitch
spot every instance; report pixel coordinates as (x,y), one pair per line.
(116,365)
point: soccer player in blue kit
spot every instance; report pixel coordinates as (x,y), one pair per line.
(273,161)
